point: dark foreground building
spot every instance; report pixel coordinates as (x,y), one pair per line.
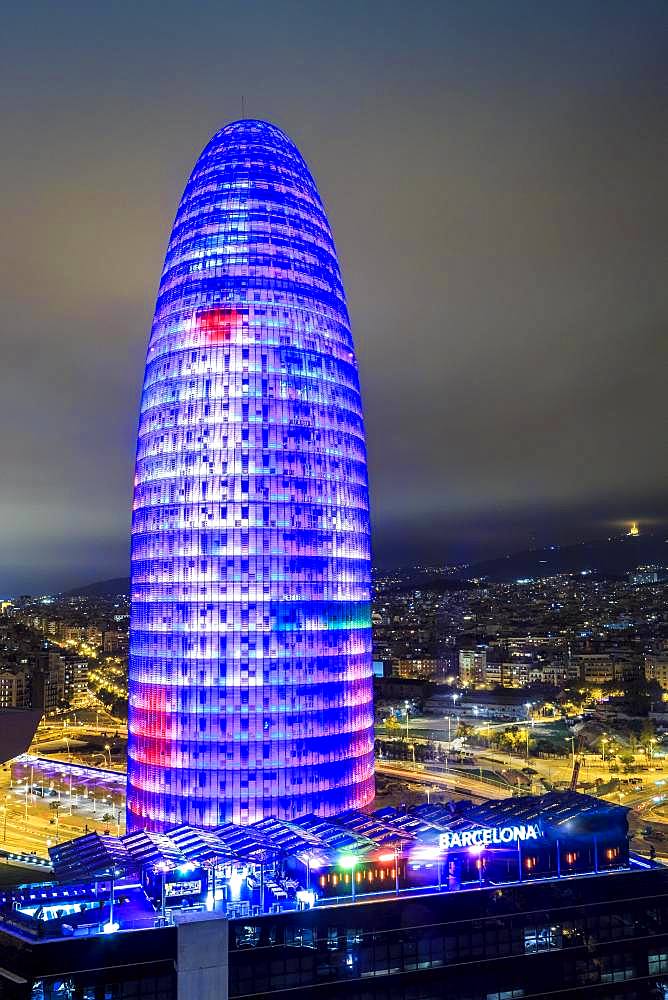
(17,730)
(525,898)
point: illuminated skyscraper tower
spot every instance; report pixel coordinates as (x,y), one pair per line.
(250,644)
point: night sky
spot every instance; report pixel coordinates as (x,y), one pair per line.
(495,175)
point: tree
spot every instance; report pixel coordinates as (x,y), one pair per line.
(512,740)
(647,738)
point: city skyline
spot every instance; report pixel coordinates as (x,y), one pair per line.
(381,708)
(497,184)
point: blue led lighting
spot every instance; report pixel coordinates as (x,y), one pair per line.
(250,641)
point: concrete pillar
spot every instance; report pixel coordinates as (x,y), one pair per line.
(202,956)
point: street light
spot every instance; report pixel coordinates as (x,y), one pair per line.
(454,697)
(407,706)
(110,927)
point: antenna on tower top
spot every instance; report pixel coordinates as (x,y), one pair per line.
(243,106)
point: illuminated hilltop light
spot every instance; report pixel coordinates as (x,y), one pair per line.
(634,530)
(250,682)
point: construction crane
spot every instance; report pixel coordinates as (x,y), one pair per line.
(577,763)
(575,774)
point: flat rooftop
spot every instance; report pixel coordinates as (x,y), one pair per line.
(322,842)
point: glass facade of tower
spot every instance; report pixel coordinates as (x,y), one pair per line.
(250,644)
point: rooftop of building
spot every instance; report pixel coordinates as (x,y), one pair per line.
(276,865)
(309,837)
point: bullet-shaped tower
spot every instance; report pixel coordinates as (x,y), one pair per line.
(250,639)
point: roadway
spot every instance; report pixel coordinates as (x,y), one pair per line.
(29,822)
(429,778)
(43,802)
(555,770)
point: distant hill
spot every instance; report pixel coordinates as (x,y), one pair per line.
(103,588)
(608,557)
(611,557)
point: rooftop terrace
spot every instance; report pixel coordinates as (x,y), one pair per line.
(276,865)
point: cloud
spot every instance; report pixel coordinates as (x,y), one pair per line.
(495,178)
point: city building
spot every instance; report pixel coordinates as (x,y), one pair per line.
(14,689)
(646,574)
(250,676)
(115,642)
(472,666)
(496,674)
(49,664)
(500,705)
(596,668)
(656,669)
(524,897)
(518,672)
(555,674)
(418,669)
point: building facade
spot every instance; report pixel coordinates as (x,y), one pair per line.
(472,666)
(14,689)
(250,676)
(600,937)
(422,668)
(528,897)
(499,705)
(656,669)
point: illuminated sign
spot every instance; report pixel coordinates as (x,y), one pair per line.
(191,888)
(484,837)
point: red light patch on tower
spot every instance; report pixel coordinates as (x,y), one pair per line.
(153,720)
(219,324)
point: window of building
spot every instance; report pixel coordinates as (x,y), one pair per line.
(616,968)
(300,937)
(247,936)
(544,937)
(505,995)
(657,962)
